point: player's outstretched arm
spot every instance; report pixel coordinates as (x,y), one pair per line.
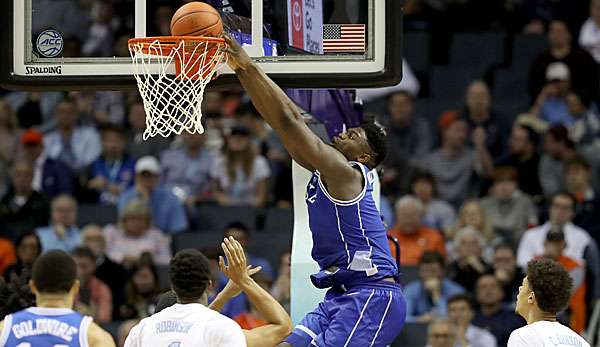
(98,337)
(285,117)
(279,325)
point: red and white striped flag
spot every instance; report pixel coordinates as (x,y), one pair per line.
(339,38)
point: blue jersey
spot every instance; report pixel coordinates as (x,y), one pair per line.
(45,327)
(348,235)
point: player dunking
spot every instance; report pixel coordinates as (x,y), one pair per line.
(545,292)
(52,322)
(364,305)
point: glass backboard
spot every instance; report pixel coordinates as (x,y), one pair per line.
(82,44)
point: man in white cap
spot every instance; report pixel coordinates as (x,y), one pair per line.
(551,105)
(168,214)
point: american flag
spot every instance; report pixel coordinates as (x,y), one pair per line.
(343,38)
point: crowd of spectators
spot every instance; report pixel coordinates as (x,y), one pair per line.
(476,194)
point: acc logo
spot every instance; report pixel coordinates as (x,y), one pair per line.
(49,43)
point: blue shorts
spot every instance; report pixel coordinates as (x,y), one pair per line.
(365,316)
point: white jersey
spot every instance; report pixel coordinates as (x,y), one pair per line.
(186,325)
(545,334)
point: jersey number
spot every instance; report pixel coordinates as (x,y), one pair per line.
(27,344)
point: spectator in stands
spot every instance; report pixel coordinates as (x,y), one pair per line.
(76,146)
(241,174)
(28,247)
(107,271)
(587,207)
(589,36)
(461,310)
(114,171)
(580,246)
(508,210)
(426,298)
(554,246)
(142,290)
(168,213)
(585,131)
(63,232)
(411,138)
(33,108)
(186,170)
(558,148)
(22,208)
(479,114)
(281,287)
(8,255)
(472,214)
(241,233)
(551,103)
(469,264)
(134,235)
(50,176)
(413,236)
(9,134)
(95,298)
(137,147)
(523,156)
(441,333)
(406,130)
(583,68)
(271,147)
(99,40)
(438,213)
(491,315)
(454,165)
(507,272)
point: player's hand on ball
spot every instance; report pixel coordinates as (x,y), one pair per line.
(236,268)
(237,58)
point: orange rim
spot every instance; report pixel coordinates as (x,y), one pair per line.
(168,43)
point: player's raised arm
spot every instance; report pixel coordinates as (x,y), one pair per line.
(285,117)
(279,326)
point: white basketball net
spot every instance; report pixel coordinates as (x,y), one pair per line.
(171,76)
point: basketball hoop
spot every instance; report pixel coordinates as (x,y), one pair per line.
(173,97)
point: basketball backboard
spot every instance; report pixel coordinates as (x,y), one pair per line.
(82,44)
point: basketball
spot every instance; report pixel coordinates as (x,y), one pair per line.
(196,19)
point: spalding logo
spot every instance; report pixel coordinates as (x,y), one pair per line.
(49,43)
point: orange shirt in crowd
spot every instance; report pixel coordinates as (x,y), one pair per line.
(249,321)
(8,255)
(413,245)
(577,304)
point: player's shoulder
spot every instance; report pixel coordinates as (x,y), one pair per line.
(98,337)
(523,336)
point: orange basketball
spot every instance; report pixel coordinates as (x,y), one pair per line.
(196,19)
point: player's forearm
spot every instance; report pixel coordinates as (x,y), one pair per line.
(266,305)
(270,100)
(219,302)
